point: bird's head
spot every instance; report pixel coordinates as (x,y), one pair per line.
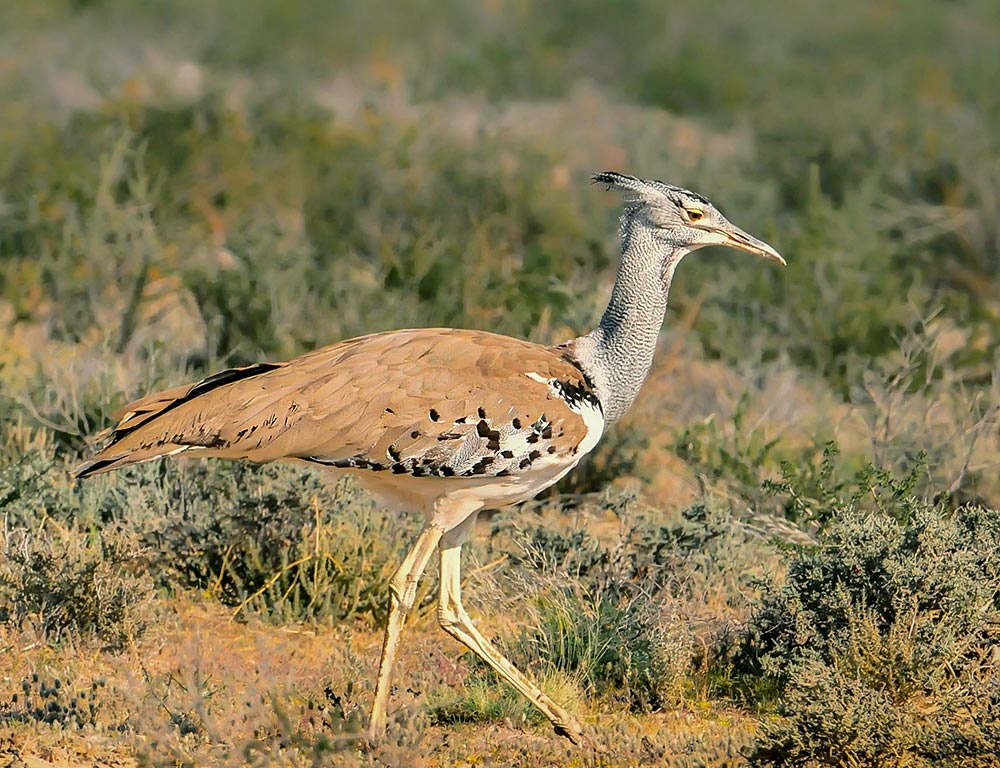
(678,219)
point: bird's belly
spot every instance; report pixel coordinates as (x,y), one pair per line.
(448,501)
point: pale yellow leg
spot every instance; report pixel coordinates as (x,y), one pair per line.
(456,622)
(402,592)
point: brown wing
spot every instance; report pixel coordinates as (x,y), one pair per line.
(425,402)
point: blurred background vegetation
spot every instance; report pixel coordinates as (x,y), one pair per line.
(187,185)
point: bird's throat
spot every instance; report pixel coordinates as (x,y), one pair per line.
(618,354)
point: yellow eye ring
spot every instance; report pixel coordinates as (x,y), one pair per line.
(694,214)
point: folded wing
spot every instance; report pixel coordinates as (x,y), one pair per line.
(434,402)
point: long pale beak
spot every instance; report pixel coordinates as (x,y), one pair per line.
(737,238)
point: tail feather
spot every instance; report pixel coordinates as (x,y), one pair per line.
(108,462)
(94,466)
(145,410)
(135,438)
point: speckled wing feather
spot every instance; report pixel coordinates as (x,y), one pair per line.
(427,402)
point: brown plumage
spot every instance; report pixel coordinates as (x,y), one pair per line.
(432,402)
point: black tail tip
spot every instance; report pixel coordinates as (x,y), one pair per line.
(91,467)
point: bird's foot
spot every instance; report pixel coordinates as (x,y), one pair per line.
(570,728)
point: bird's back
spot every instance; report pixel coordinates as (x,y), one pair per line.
(423,403)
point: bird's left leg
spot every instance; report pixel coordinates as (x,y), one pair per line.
(402,593)
(456,622)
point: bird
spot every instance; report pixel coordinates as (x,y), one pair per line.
(443,421)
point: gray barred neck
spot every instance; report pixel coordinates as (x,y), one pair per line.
(618,354)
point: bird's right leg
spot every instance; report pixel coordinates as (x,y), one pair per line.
(402,593)
(456,622)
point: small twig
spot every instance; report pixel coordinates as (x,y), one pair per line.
(45,421)
(127,327)
(484,568)
(268,584)
(316,550)
(222,569)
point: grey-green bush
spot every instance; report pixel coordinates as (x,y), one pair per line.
(881,640)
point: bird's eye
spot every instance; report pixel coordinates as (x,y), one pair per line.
(694,214)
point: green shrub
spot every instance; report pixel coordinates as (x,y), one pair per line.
(830,716)
(617,644)
(27,493)
(60,571)
(818,492)
(881,638)
(66,585)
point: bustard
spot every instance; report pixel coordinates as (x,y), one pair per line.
(445,421)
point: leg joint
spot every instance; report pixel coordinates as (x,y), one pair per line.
(451,615)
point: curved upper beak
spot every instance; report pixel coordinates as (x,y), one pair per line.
(737,238)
